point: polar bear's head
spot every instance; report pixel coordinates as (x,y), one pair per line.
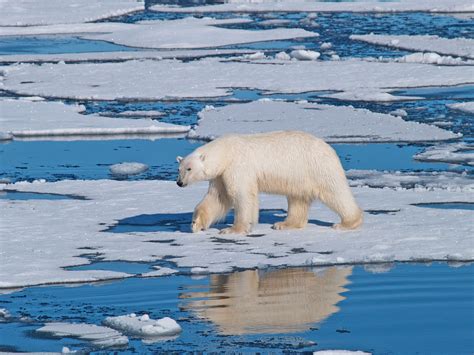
(191,169)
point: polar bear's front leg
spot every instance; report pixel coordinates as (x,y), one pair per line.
(297,214)
(245,205)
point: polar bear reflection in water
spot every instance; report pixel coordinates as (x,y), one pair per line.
(277,301)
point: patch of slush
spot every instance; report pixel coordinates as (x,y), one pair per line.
(455,153)
(402,236)
(459,47)
(143,326)
(167,79)
(189,32)
(99,336)
(409,180)
(435,6)
(128,168)
(117,56)
(25,118)
(331,123)
(31,12)
(463,106)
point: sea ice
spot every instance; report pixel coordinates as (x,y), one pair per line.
(443,6)
(128,168)
(58,231)
(167,79)
(332,123)
(302,54)
(143,326)
(25,118)
(432,58)
(454,153)
(98,335)
(460,47)
(33,12)
(467,107)
(189,32)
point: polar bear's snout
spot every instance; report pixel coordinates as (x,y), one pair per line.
(180,183)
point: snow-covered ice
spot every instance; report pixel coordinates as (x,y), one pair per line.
(35,252)
(159,271)
(34,12)
(467,107)
(143,326)
(118,55)
(432,58)
(399,112)
(454,153)
(443,6)
(98,335)
(189,32)
(130,113)
(303,54)
(128,168)
(459,47)
(332,123)
(25,118)
(175,79)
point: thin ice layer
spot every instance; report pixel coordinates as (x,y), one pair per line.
(175,79)
(58,232)
(332,123)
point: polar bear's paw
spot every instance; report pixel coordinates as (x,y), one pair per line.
(234,230)
(287,225)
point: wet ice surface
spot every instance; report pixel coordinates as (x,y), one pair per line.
(353,304)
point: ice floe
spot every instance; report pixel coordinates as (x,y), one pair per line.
(98,335)
(332,123)
(454,153)
(174,79)
(432,58)
(130,113)
(189,32)
(467,107)
(143,326)
(460,47)
(60,233)
(25,118)
(118,56)
(160,271)
(32,12)
(128,168)
(302,54)
(443,6)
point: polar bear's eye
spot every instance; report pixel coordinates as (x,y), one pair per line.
(188,169)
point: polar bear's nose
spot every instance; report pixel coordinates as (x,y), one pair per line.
(180,183)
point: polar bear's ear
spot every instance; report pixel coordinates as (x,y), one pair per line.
(179,159)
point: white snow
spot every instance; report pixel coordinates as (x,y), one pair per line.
(117,56)
(34,12)
(189,32)
(435,180)
(460,47)
(143,326)
(97,335)
(175,79)
(443,6)
(128,168)
(467,107)
(24,118)
(332,123)
(160,271)
(302,54)
(432,58)
(454,153)
(34,253)
(369,95)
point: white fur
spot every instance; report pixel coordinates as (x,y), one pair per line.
(295,164)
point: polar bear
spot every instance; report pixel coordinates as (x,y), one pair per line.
(291,163)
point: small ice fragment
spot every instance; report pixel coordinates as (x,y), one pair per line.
(399,112)
(199,270)
(5,136)
(326,45)
(282,56)
(335,57)
(128,168)
(143,326)
(302,54)
(255,56)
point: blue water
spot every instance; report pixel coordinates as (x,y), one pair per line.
(448,205)
(409,309)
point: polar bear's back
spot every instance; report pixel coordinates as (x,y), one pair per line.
(282,162)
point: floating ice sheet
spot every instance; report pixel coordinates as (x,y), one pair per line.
(189,32)
(467,107)
(312,6)
(332,123)
(454,153)
(143,325)
(25,118)
(460,47)
(58,232)
(128,168)
(33,12)
(98,335)
(174,79)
